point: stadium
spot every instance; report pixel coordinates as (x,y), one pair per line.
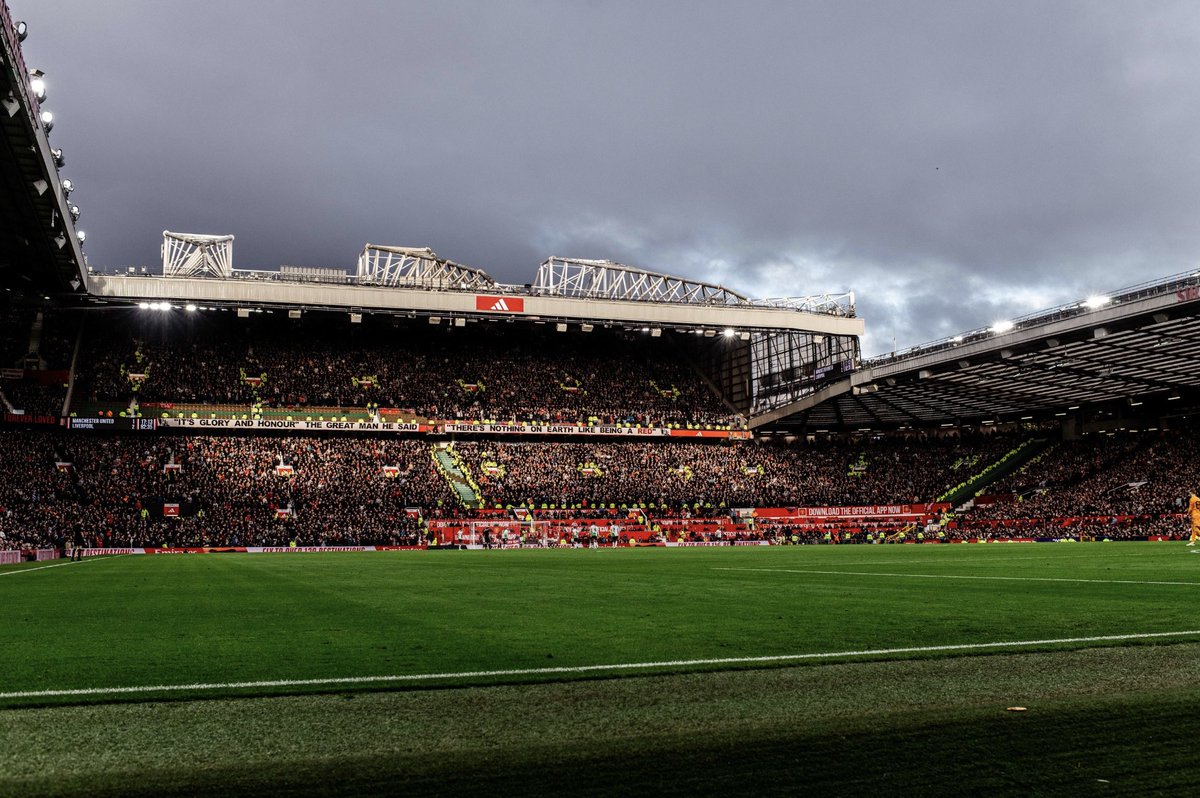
(409,528)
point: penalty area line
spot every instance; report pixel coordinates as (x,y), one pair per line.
(579,669)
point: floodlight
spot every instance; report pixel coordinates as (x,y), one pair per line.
(22,31)
(47,120)
(560,326)
(1002,327)
(190,308)
(586,327)
(356,318)
(59,160)
(1094,302)
(710,333)
(68,187)
(435,319)
(293,314)
(460,322)
(37,84)
(144,305)
(74,211)
(82,236)
(730,332)
(655,332)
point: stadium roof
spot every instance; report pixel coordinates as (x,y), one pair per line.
(40,248)
(1134,352)
(198,269)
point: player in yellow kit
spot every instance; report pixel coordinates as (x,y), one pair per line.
(1193,512)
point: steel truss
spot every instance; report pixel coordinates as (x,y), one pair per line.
(193,255)
(787,365)
(408,267)
(604,279)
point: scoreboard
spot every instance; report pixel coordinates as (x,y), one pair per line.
(113,423)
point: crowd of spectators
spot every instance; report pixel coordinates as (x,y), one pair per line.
(35,352)
(725,475)
(482,371)
(119,491)
(266,490)
(1145,474)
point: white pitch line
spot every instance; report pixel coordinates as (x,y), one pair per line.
(962,576)
(57,565)
(623,666)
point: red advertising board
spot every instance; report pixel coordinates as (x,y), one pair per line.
(500,304)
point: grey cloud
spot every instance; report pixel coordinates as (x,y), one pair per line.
(950,162)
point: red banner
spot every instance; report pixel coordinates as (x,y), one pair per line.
(500,304)
(710,433)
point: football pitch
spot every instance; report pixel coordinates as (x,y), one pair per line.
(834,670)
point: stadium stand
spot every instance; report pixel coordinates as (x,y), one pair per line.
(481,372)
(1117,485)
(36,345)
(326,490)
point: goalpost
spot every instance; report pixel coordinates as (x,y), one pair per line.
(507,533)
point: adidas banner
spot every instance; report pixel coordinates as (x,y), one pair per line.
(500,304)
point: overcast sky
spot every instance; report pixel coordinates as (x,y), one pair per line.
(952,163)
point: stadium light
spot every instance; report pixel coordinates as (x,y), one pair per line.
(730,332)
(655,332)
(59,160)
(1095,302)
(356,318)
(37,84)
(74,211)
(190,308)
(81,235)
(435,319)
(68,187)
(22,31)
(47,120)
(1002,327)
(586,327)
(144,305)
(560,326)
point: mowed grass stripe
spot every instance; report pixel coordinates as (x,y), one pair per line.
(960,576)
(216,619)
(928,727)
(348,681)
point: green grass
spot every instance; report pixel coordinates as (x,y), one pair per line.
(1116,719)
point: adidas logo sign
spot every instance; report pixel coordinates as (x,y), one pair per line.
(500,305)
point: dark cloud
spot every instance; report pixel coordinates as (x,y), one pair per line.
(952,163)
